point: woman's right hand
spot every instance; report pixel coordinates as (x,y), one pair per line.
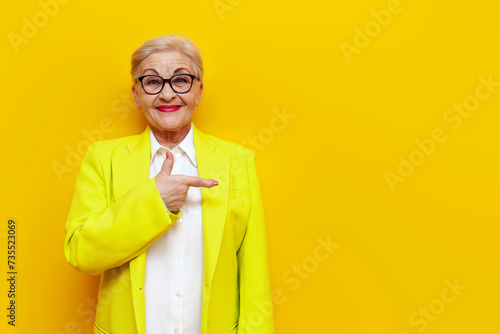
(173,189)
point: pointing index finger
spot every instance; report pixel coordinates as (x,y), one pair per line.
(194,181)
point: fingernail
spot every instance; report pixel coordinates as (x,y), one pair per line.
(216,183)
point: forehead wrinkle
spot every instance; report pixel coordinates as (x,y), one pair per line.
(177,70)
(165,66)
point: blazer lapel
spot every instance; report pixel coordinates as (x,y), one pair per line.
(214,200)
(132,167)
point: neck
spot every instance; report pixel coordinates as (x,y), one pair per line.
(171,139)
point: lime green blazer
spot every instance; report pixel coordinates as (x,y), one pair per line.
(117,212)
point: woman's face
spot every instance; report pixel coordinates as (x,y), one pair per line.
(159,116)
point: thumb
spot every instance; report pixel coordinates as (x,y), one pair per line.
(166,168)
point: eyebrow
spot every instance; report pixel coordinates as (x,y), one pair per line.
(179,69)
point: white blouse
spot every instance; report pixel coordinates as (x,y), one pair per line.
(174,262)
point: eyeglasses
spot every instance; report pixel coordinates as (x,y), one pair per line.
(180,83)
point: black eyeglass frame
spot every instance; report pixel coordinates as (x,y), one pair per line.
(193,77)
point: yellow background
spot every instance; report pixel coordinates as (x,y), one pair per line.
(323,172)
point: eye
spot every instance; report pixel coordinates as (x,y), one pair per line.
(152,81)
(180,80)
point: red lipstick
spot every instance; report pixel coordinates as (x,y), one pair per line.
(168,108)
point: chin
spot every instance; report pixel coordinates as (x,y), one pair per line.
(172,126)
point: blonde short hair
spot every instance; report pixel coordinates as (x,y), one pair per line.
(172,42)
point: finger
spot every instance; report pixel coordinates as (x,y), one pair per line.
(166,168)
(194,181)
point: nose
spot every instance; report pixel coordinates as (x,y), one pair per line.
(167,93)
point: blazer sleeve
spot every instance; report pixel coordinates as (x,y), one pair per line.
(101,235)
(256,309)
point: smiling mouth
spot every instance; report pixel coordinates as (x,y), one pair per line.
(168,108)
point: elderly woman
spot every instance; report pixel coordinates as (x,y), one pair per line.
(171,218)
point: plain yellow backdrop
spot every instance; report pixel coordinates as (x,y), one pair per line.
(375,125)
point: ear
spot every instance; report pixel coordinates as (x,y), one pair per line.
(136,96)
(198,98)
